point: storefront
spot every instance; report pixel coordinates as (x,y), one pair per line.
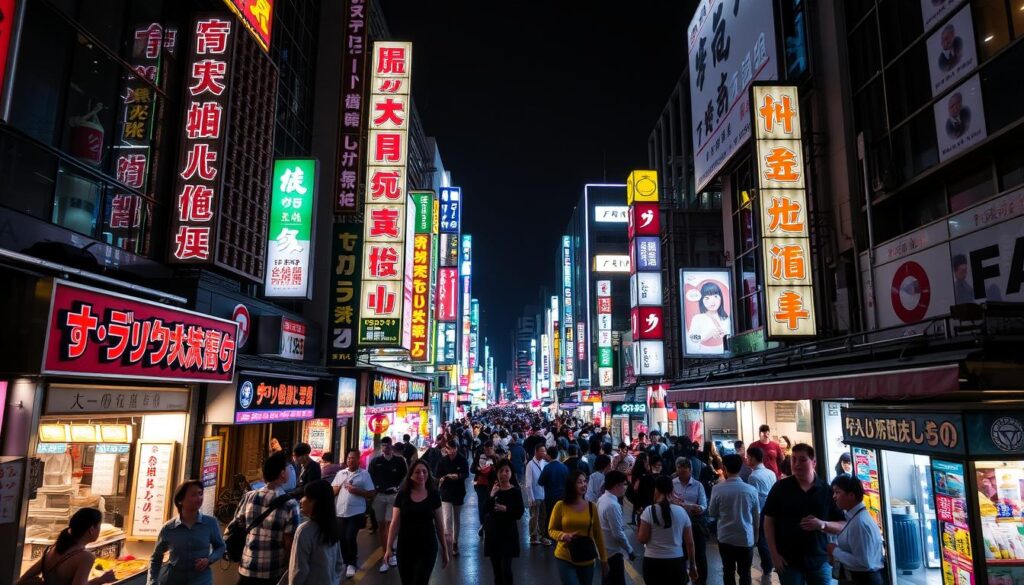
(947,488)
(628,420)
(106,421)
(393,405)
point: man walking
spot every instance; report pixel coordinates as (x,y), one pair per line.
(517,456)
(772,451)
(387,471)
(735,505)
(739,448)
(609,511)
(267,546)
(798,514)
(452,472)
(689,493)
(552,479)
(353,488)
(761,479)
(535,497)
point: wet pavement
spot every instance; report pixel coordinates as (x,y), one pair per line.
(535,566)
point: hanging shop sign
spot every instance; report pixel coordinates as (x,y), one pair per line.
(281,337)
(421,320)
(265,398)
(213,448)
(290,239)
(629,408)
(611,214)
(342,351)
(346,398)
(97,334)
(353,111)
(387,270)
(151,491)
(447,294)
(605,354)
(938,432)
(706,302)
(611,263)
(731,44)
(451,210)
(447,343)
(785,239)
(647,319)
(644,220)
(114,399)
(568,330)
(258,18)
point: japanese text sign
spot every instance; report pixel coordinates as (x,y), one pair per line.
(422,275)
(353,75)
(93,333)
(451,210)
(642,186)
(731,44)
(644,239)
(198,186)
(568,359)
(151,488)
(785,239)
(386,297)
(938,432)
(611,263)
(288,271)
(647,254)
(605,360)
(644,220)
(345,285)
(257,16)
(647,322)
(262,398)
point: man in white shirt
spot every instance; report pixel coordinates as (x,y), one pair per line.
(609,512)
(735,505)
(858,549)
(535,497)
(762,479)
(353,488)
(689,493)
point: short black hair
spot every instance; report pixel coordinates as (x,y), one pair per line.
(182,491)
(302,449)
(406,437)
(327,457)
(756,453)
(764,429)
(733,463)
(613,478)
(273,466)
(850,485)
(385,440)
(552,452)
(805,449)
(351,451)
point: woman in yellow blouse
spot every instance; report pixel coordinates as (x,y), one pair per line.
(574,518)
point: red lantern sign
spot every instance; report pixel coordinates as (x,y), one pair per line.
(378,424)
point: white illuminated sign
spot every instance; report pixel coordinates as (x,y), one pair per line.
(611,214)
(611,263)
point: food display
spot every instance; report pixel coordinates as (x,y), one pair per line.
(1001,508)
(123,568)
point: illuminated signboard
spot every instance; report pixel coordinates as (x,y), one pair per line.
(611,263)
(642,187)
(628,408)
(785,240)
(707,311)
(345,283)
(447,343)
(257,16)
(198,187)
(605,356)
(447,294)
(451,210)
(466,269)
(289,240)
(611,214)
(386,239)
(568,331)
(646,318)
(353,83)
(422,275)
(261,399)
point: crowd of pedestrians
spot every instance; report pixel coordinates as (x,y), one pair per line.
(583,496)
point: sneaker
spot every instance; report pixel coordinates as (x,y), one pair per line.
(384,567)
(547,541)
(393,561)
(350,571)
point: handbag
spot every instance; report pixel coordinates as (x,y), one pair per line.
(234,536)
(582,548)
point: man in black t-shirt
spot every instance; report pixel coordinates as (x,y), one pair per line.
(798,515)
(387,471)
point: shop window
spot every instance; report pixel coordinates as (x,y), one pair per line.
(1001,510)
(914,146)
(991,27)
(865,57)
(970,188)
(869,117)
(795,33)
(901,25)
(908,86)
(1001,88)
(914,546)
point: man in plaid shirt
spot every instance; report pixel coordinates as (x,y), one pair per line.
(267,546)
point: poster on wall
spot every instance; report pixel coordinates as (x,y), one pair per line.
(932,11)
(865,468)
(10,490)
(707,311)
(317,434)
(152,486)
(212,448)
(954,522)
(951,51)
(987,264)
(960,119)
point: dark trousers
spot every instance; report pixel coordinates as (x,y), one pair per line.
(700,550)
(244,580)
(863,578)
(349,530)
(416,564)
(482,493)
(502,566)
(763,552)
(616,571)
(665,570)
(736,559)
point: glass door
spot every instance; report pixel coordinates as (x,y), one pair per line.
(910,523)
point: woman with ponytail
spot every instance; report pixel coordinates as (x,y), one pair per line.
(664,529)
(67,562)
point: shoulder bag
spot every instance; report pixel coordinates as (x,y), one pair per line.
(582,549)
(234,536)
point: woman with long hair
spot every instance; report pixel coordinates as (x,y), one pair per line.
(417,506)
(640,492)
(503,510)
(573,518)
(316,550)
(664,529)
(66,562)
(786,469)
(193,540)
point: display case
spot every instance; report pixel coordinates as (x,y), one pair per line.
(1000,486)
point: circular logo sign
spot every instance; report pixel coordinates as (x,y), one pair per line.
(1007,433)
(240,315)
(245,394)
(378,424)
(910,286)
(645,186)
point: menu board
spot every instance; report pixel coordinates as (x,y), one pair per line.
(104,474)
(865,468)
(954,522)
(212,447)
(151,492)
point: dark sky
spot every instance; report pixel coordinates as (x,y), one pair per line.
(529,101)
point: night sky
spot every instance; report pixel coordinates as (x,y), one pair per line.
(529,101)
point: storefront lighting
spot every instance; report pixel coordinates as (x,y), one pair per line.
(84,433)
(52,433)
(116,433)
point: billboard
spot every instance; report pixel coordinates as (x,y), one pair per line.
(951,51)
(353,122)
(706,307)
(731,44)
(421,320)
(960,119)
(290,237)
(451,210)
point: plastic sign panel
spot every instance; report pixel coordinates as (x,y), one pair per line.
(258,18)
(353,107)
(447,294)
(421,325)
(263,399)
(611,214)
(447,343)
(647,318)
(645,289)
(785,240)
(706,301)
(345,284)
(197,192)
(568,331)
(605,356)
(647,256)
(642,186)
(644,220)
(650,357)
(730,44)
(611,263)
(288,272)
(451,210)
(384,302)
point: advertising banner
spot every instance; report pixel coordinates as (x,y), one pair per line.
(258,18)
(288,271)
(960,119)
(951,51)
(421,320)
(353,109)
(346,398)
(264,398)
(451,210)
(706,301)
(345,284)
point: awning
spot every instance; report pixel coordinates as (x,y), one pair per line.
(889,385)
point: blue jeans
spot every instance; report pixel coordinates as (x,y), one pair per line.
(571,574)
(805,575)
(763,552)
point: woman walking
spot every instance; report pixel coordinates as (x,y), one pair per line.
(193,540)
(576,527)
(415,522)
(641,486)
(316,552)
(664,529)
(67,562)
(501,530)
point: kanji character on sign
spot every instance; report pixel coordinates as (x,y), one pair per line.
(199,161)
(721,42)
(192,242)
(389,110)
(131,170)
(791,310)
(203,120)
(383,261)
(212,36)
(385,185)
(390,86)
(781,163)
(261,10)
(784,216)
(150,38)
(391,61)
(774,112)
(381,301)
(384,222)
(195,203)
(388,147)
(293,181)
(209,76)
(287,243)
(788,262)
